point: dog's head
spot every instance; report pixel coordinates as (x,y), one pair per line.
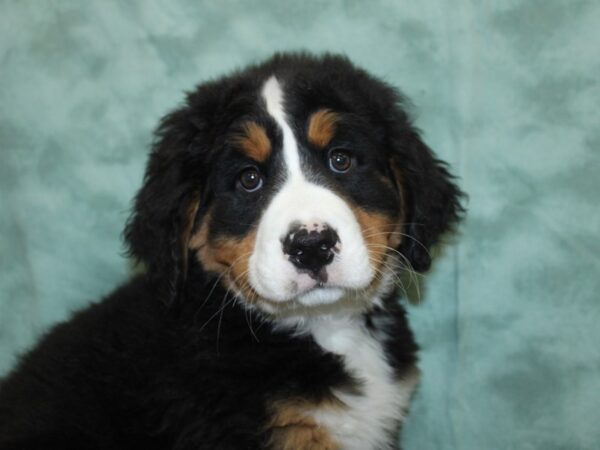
(300,181)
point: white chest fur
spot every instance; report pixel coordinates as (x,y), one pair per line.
(369,418)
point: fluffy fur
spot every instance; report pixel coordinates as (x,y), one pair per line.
(279,205)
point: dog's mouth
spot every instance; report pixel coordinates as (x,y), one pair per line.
(317,295)
(318,298)
(320,294)
(312,299)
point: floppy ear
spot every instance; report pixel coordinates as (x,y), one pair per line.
(431,198)
(160,226)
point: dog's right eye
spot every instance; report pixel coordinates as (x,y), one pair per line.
(340,160)
(250,179)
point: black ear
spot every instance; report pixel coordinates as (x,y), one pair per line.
(432,200)
(159,228)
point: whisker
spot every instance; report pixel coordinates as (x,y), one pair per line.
(402,264)
(391,249)
(406,265)
(391,226)
(401,234)
(214,286)
(248,316)
(225,304)
(392,272)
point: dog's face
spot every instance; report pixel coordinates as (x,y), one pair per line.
(299,182)
(304,204)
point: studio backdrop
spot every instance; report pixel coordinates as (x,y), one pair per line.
(507,92)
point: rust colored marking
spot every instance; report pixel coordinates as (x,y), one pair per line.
(226,255)
(381,234)
(254,142)
(292,426)
(321,127)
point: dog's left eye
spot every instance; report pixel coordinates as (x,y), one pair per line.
(250,179)
(340,161)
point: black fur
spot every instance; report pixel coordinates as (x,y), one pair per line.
(169,360)
(131,373)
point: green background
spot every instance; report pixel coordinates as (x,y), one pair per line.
(507,92)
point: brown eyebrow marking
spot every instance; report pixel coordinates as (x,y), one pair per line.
(321,127)
(254,142)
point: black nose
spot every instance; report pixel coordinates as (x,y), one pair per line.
(312,250)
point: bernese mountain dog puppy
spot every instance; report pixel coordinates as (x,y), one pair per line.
(280,205)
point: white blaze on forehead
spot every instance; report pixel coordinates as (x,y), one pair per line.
(273,96)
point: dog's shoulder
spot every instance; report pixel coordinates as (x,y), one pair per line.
(75,374)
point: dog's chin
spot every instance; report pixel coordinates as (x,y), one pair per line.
(319,299)
(320,296)
(311,297)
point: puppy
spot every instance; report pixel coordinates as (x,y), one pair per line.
(279,206)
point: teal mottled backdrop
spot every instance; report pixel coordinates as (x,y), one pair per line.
(507,92)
